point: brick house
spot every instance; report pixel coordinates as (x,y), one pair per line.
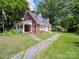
(33,23)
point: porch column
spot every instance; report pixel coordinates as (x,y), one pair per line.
(23,28)
(31,29)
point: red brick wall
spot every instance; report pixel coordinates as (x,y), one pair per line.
(38,29)
(33,26)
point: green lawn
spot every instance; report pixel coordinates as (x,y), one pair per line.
(10,45)
(67,47)
(45,35)
(13,42)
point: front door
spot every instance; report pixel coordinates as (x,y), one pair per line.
(27,28)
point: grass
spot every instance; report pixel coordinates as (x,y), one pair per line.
(45,35)
(12,44)
(67,47)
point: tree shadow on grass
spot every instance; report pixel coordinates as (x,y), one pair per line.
(73,43)
(76,44)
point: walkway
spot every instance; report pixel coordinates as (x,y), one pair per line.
(31,52)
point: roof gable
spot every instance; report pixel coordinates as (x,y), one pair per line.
(38,18)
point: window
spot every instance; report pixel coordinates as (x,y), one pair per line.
(21,26)
(38,25)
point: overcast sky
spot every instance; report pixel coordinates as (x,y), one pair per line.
(33,4)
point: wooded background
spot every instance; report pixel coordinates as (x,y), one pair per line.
(64,13)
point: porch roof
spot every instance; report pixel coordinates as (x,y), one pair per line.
(24,22)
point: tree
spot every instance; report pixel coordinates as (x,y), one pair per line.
(61,12)
(50,9)
(70,19)
(70,23)
(14,10)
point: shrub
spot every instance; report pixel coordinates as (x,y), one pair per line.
(11,32)
(78,32)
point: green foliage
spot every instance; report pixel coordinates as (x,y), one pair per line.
(70,23)
(12,32)
(78,32)
(70,20)
(49,9)
(14,10)
(61,12)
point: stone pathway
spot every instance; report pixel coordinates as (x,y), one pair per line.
(32,52)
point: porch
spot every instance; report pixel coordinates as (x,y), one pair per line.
(25,26)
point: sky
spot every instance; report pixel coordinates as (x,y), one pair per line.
(33,4)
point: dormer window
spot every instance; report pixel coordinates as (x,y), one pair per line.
(40,17)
